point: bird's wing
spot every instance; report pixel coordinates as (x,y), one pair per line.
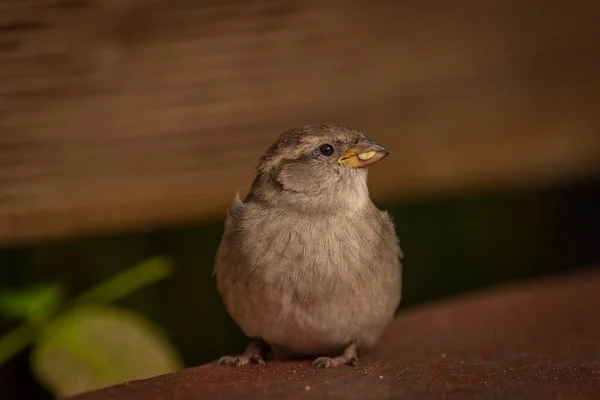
(390,231)
(233,215)
(234,211)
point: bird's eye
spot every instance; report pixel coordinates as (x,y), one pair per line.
(326,149)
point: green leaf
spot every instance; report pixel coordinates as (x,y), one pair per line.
(31,301)
(97,346)
(128,281)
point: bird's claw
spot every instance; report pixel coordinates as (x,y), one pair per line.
(257,359)
(348,357)
(323,362)
(331,362)
(242,360)
(252,355)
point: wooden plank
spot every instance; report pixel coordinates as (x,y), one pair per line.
(136,113)
(537,340)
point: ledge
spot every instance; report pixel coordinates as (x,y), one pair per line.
(535,340)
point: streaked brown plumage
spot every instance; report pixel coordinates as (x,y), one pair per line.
(308,266)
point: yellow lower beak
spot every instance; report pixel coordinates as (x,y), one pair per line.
(363,154)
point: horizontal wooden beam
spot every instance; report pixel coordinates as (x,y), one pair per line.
(537,340)
(134,114)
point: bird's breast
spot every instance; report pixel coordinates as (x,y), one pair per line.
(312,282)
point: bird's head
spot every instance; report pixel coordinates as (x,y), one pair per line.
(321,165)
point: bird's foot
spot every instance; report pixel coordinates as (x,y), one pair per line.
(252,355)
(348,357)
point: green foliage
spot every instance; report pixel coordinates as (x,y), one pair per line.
(97,346)
(84,344)
(31,301)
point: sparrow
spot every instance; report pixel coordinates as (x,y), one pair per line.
(308,266)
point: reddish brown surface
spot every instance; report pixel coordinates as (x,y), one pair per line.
(532,341)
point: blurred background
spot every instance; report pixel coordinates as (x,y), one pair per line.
(127,126)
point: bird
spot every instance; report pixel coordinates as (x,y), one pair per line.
(308,266)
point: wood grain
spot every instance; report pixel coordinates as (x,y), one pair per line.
(132,114)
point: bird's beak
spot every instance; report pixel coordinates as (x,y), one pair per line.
(363,153)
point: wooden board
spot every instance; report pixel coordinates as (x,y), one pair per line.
(537,340)
(131,114)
